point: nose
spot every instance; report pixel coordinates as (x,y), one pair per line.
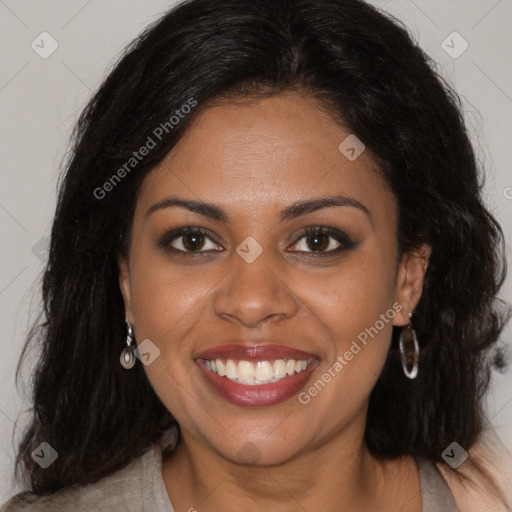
(254,293)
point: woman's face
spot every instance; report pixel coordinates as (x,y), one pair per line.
(255,292)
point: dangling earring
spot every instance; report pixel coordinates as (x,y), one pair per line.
(409,350)
(127,355)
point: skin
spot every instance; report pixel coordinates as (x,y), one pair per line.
(253,159)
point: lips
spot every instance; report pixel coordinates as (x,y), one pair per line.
(255,393)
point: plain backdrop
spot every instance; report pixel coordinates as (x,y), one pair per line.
(40,99)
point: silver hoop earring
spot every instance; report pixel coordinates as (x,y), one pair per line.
(127,355)
(409,350)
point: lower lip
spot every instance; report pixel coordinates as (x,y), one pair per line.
(258,395)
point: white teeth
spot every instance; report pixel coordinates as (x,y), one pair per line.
(261,372)
(246,370)
(231,370)
(220,367)
(264,371)
(279,368)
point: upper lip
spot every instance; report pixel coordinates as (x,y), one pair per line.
(254,352)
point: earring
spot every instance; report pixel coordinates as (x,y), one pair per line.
(409,350)
(127,355)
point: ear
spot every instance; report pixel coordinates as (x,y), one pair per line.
(126,289)
(409,284)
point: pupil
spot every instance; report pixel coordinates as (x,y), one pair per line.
(317,241)
(193,241)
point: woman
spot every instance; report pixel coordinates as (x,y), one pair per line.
(277,202)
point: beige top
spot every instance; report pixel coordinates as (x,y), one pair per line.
(139,487)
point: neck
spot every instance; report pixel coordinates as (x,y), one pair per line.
(338,474)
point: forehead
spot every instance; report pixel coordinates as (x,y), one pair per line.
(257,155)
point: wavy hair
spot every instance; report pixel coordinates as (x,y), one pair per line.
(369,73)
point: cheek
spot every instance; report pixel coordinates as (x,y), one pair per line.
(168,305)
(355,308)
(166,297)
(351,297)
(356,314)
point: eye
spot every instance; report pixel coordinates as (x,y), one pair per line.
(189,239)
(322,240)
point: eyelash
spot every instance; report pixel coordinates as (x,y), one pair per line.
(344,240)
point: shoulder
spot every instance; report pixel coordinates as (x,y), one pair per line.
(120,491)
(475,494)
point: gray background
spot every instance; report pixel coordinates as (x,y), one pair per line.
(41,98)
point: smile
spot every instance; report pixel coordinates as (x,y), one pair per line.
(256,375)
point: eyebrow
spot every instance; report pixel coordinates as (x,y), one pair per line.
(292,211)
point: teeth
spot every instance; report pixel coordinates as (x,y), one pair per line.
(231,370)
(264,371)
(261,372)
(279,368)
(245,370)
(220,367)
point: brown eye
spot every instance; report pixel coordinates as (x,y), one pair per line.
(317,241)
(193,241)
(188,240)
(321,241)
